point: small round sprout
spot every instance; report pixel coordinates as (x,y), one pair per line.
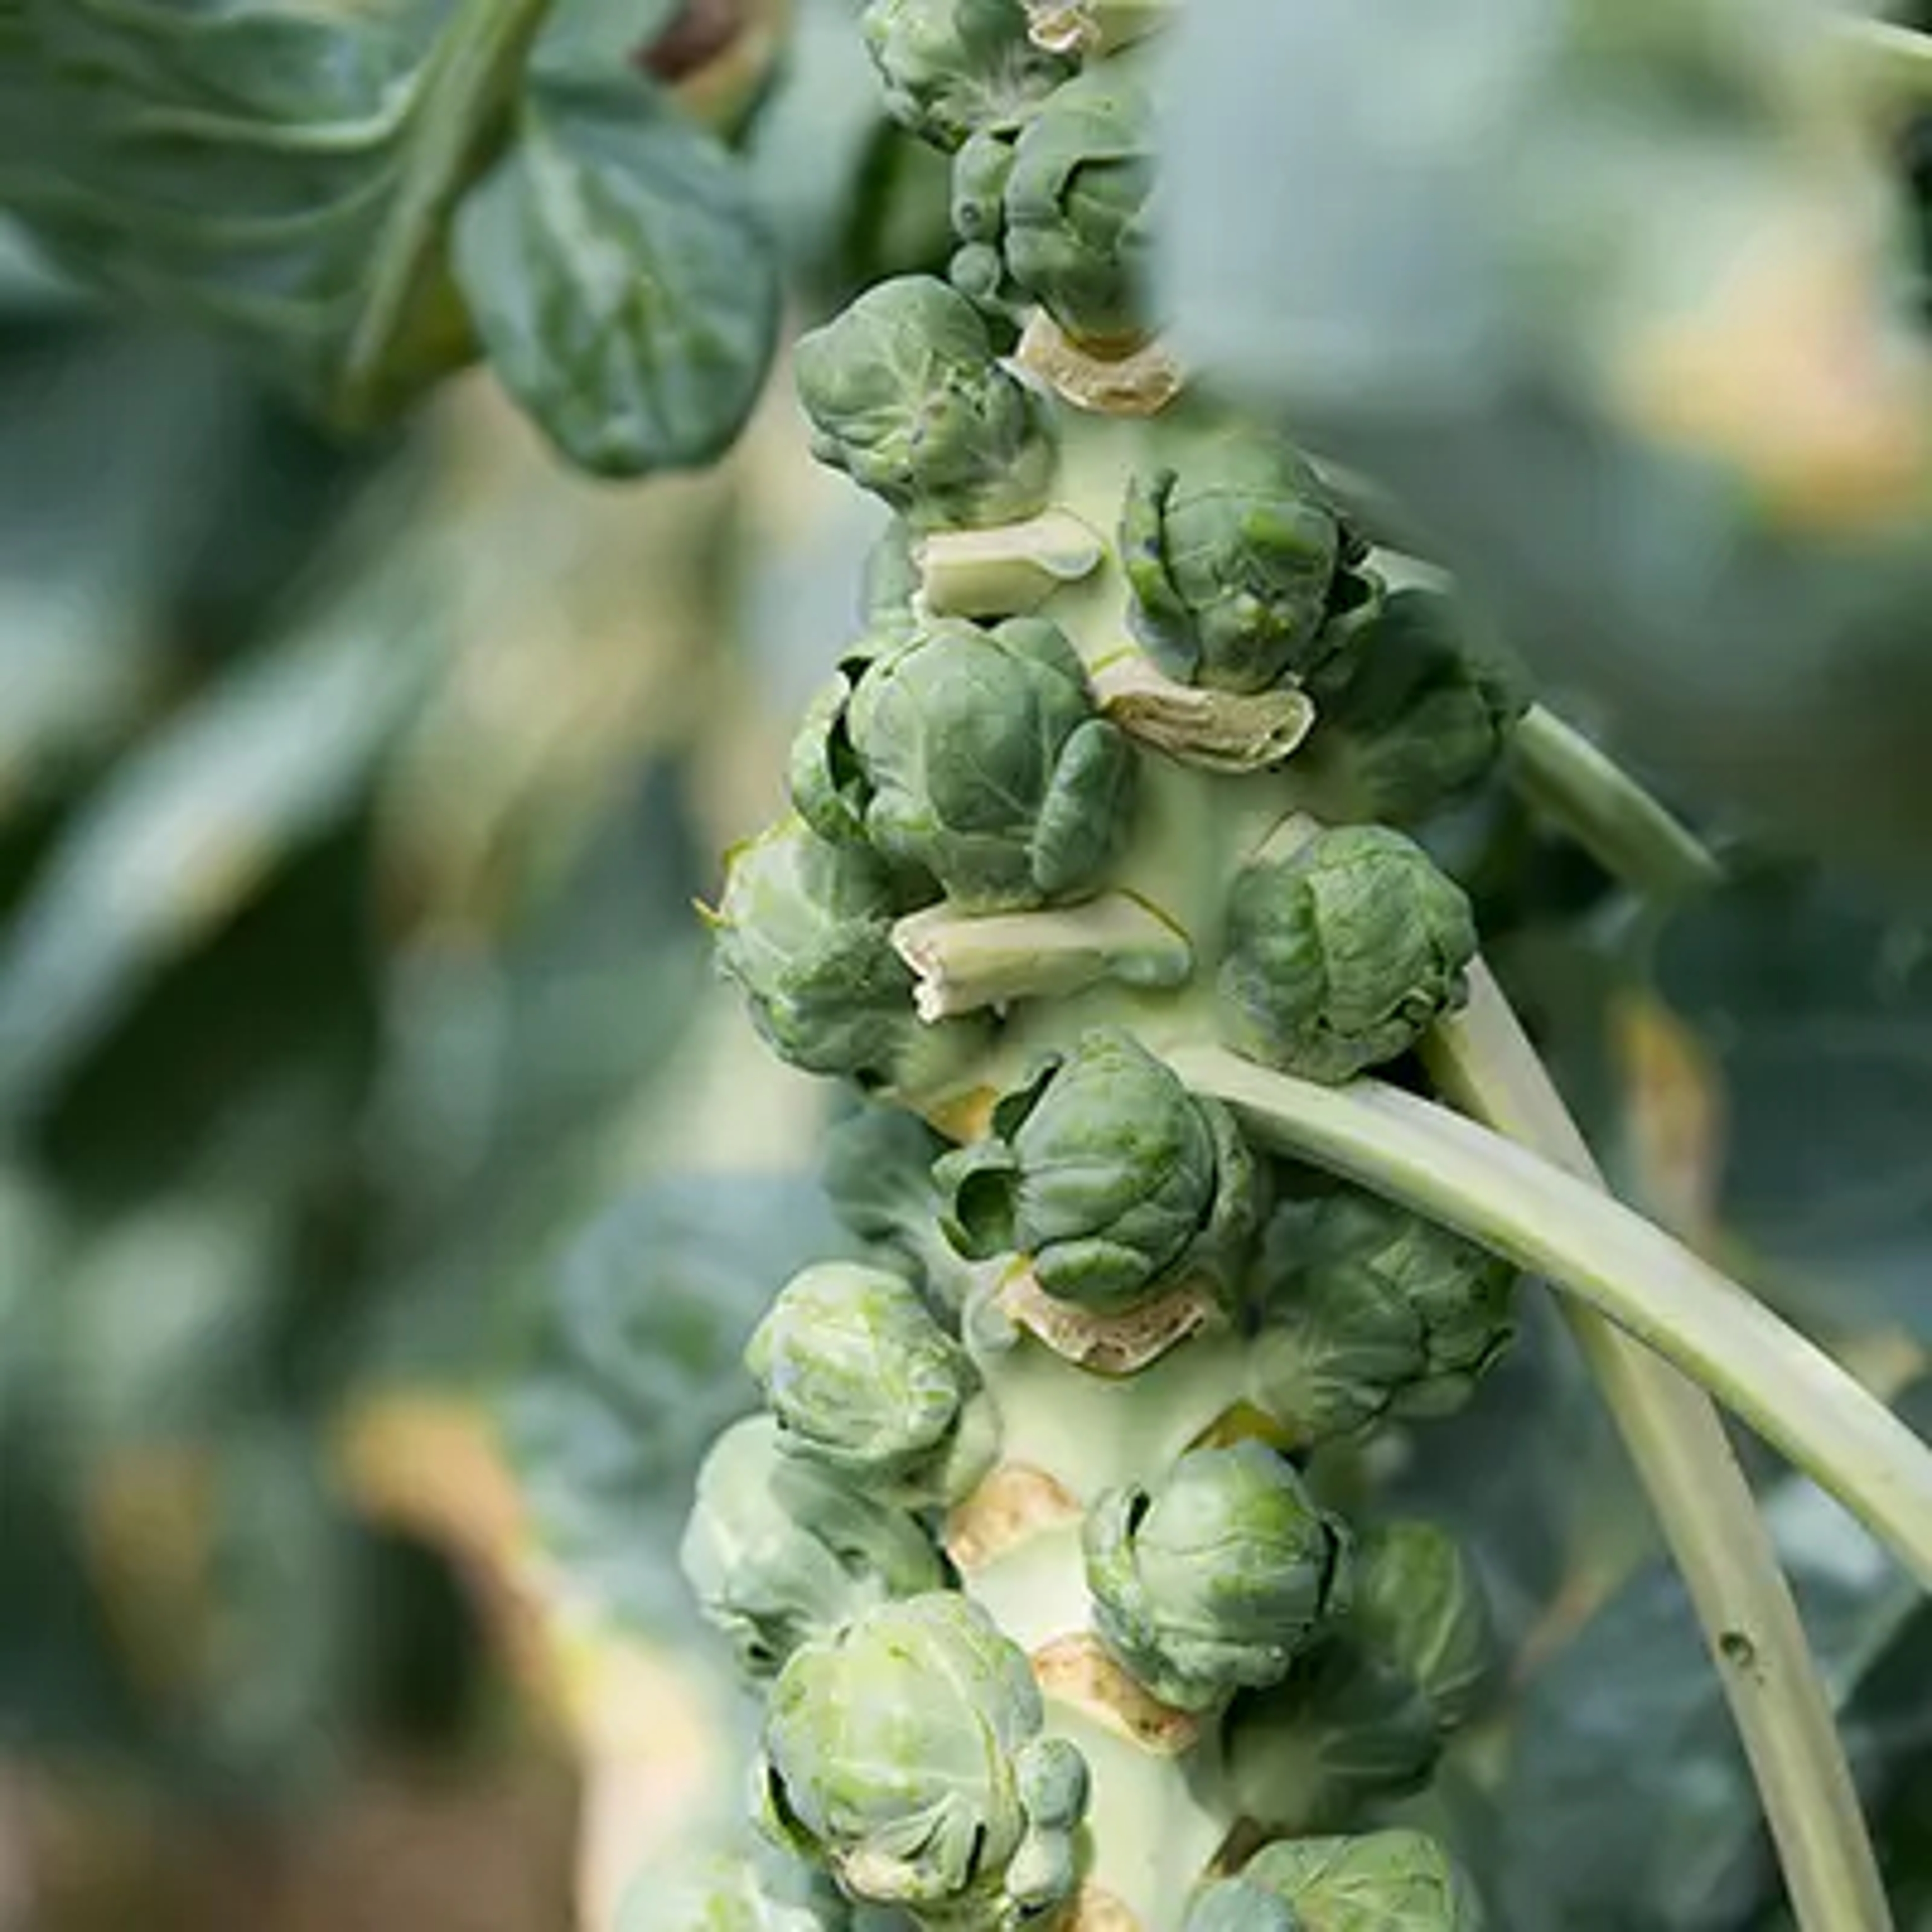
(779,1549)
(1416,1600)
(950,66)
(1366,1311)
(1394,1881)
(905,394)
(1243,574)
(1108,1175)
(860,1377)
(977,757)
(1076,237)
(1218,1578)
(804,928)
(1239,1905)
(905,1752)
(1412,716)
(757,1891)
(1343,1730)
(1339,953)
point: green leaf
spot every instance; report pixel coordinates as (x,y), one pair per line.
(636,1368)
(619,278)
(283,172)
(1816,1010)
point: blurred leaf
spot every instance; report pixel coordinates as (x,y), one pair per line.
(1602,293)
(619,277)
(1817,1013)
(186,829)
(637,1369)
(1628,1806)
(281,174)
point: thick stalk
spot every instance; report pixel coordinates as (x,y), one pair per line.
(1484,1064)
(1520,1205)
(1604,809)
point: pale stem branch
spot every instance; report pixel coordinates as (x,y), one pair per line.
(1519,1205)
(1485,1064)
(1628,833)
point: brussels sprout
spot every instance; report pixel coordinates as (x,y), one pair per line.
(1075,235)
(1341,952)
(1368,1311)
(975,757)
(1344,1728)
(860,1377)
(1416,1599)
(877,1171)
(1397,1881)
(1111,1178)
(804,928)
(1242,573)
(725,1891)
(905,394)
(1238,1905)
(950,66)
(778,1550)
(1218,1578)
(905,1752)
(1411,717)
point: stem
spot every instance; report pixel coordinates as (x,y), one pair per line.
(1633,838)
(1485,1064)
(966,961)
(1521,1205)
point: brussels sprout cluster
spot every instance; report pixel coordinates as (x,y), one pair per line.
(1147,678)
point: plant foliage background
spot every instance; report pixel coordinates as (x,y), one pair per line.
(355,788)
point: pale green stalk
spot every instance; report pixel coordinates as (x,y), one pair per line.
(1572,784)
(1521,1205)
(1484,1064)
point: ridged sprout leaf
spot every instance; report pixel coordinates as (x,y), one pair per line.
(1417,1598)
(780,1551)
(1216,1577)
(1392,1881)
(730,1892)
(1341,952)
(904,394)
(905,1750)
(1107,1175)
(952,66)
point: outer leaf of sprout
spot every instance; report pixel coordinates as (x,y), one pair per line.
(1341,952)
(778,1550)
(1397,1881)
(1416,1599)
(950,66)
(1216,1578)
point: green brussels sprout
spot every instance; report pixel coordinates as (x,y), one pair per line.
(1366,1311)
(1411,717)
(1217,1578)
(1343,1730)
(906,395)
(1238,1905)
(905,1751)
(1394,1881)
(1416,1599)
(1341,952)
(804,928)
(1071,223)
(1242,573)
(860,1377)
(876,1168)
(1108,1175)
(727,1891)
(778,1550)
(950,66)
(974,757)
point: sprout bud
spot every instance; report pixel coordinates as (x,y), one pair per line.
(1218,1578)
(950,66)
(1396,1881)
(1339,953)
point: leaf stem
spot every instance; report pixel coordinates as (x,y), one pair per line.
(1485,1064)
(1633,836)
(1521,1205)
